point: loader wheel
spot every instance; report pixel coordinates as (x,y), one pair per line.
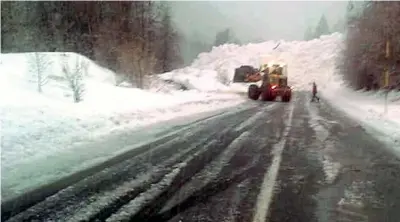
(253,92)
(266,95)
(287,97)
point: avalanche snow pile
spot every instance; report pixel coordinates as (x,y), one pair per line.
(307,61)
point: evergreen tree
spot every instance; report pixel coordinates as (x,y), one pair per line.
(222,37)
(322,27)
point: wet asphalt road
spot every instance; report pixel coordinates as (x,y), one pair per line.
(271,162)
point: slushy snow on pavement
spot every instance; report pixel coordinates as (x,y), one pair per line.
(36,126)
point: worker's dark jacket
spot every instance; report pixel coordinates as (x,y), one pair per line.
(314,89)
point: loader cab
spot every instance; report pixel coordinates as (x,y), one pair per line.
(278,80)
(274,79)
(274,69)
(279,69)
(283,81)
(264,68)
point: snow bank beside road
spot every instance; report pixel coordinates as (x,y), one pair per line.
(203,80)
(29,151)
(35,126)
(368,109)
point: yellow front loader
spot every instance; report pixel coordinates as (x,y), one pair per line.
(272,81)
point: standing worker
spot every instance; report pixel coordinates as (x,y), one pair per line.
(314,93)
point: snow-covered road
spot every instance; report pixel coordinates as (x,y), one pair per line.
(260,162)
(22,170)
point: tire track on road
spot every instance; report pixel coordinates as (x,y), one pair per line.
(300,174)
(217,185)
(11,207)
(251,152)
(131,212)
(81,194)
(266,194)
(113,199)
(156,206)
(233,157)
(209,172)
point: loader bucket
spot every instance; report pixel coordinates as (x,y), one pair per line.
(241,73)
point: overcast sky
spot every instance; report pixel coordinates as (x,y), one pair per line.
(252,20)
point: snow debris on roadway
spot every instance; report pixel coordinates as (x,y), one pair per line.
(36,125)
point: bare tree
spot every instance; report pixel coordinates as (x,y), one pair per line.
(136,62)
(39,64)
(75,76)
(364,56)
(143,65)
(97,29)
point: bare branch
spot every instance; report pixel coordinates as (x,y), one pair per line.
(38,67)
(75,77)
(364,56)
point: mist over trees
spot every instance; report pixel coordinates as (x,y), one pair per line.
(364,57)
(134,38)
(339,26)
(138,38)
(191,47)
(308,34)
(225,36)
(371,29)
(322,28)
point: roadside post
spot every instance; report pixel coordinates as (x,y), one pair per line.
(386,76)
